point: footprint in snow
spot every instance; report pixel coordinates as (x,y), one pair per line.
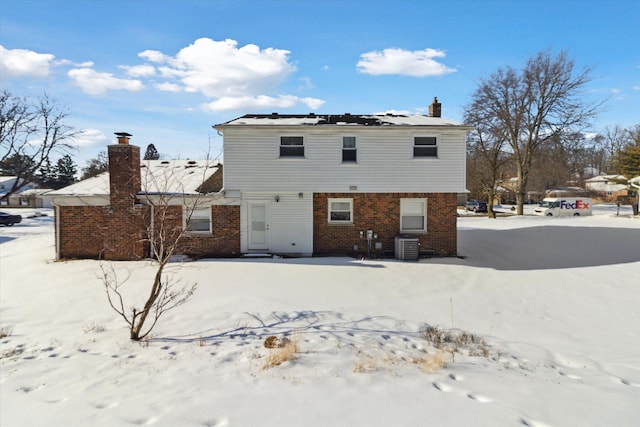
(442,386)
(478,398)
(215,423)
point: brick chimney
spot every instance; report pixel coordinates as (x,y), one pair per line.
(124,172)
(435,109)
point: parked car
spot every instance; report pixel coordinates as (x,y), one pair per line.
(476,206)
(8,219)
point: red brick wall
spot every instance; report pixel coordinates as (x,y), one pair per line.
(223,241)
(124,174)
(99,232)
(380,212)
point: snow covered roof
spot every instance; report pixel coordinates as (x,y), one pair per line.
(606,178)
(157,177)
(346,119)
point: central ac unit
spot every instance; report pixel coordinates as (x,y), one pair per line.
(407,248)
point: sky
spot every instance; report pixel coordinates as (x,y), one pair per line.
(166,71)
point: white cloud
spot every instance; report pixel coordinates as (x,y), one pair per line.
(636,87)
(90,137)
(306,83)
(153,56)
(168,87)
(419,63)
(221,69)
(145,70)
(85,64)
(95,83)
(260,102)
(24,63)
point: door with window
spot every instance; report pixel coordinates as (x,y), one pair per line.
(258,238)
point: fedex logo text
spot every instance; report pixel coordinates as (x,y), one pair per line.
(579,204)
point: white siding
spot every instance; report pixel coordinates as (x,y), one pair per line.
(290,222)
(385,160)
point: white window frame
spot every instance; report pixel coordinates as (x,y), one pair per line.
(408,207)
(434,146)
(280,146)
(353,149)
(329,210)
(199,214)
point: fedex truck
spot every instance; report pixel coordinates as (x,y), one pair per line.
(564,206)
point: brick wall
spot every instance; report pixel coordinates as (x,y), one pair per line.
(101,232)
(124,174)
(223,241)
(380,212)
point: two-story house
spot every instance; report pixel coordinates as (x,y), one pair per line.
(345,184)
(302,185)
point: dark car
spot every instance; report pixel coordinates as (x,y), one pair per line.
(476,206)
(8,219)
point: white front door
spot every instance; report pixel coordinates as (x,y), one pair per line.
(258,227)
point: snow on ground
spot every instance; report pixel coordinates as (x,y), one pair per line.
(552,304)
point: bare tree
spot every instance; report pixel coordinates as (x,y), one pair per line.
(30,131)
(170,219)
(533,105)
(485,152)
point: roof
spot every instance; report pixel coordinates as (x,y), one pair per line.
(605,178)
(157,177)
(347,119)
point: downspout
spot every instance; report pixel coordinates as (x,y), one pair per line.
(152,232)
(57,225)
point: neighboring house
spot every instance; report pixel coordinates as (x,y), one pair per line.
(317,183)
(609,186)
(33,198)
(6,184)
(297,185)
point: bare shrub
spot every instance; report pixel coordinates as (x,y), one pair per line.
(455,341)
(285,350)
(93,327)
(6,331)
(431,363)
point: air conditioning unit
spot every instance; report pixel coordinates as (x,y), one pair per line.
(407,248)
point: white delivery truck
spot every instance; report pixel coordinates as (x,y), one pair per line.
(564,206)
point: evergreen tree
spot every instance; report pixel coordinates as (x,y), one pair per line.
(151,153)
(627,161)
(46,176)
(65,172)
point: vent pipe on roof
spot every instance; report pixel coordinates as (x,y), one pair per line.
(435,109)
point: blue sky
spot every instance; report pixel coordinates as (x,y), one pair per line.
(166,71)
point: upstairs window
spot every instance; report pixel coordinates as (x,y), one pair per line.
(291,146)
(197,220)
(340,211)
(413,218)
(349,150)
(425,146)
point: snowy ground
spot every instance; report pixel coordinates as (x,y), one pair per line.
(553,304)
